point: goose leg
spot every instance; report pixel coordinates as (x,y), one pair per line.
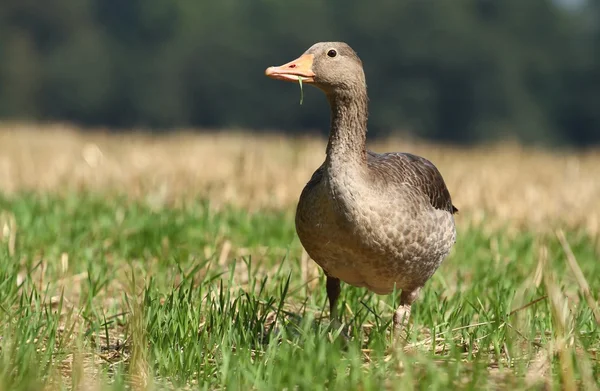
(402,314)
(333,293)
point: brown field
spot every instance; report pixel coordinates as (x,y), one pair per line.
(499,185)
(506,184)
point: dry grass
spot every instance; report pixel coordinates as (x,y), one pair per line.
(507,184)
(502,185)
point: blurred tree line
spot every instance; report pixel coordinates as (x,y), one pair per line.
(460,70)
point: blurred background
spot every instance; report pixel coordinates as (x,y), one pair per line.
(461,71)
(150,172)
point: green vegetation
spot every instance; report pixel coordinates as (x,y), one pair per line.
(110,290)
(460,70)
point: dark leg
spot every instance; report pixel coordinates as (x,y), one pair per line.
(402,314)
(333,292)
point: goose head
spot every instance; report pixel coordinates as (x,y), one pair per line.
(330,66)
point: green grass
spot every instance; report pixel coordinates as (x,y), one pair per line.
(113,292)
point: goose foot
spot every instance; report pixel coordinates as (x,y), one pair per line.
(333,293)
(402,315)
(337,328)
(401,319)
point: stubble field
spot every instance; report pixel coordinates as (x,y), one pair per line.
(171,262)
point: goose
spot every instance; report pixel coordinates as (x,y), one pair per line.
(377,221)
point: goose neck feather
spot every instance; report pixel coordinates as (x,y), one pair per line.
(347,136)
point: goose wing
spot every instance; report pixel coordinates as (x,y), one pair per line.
(416,171)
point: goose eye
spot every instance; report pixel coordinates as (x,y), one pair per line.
(332,53)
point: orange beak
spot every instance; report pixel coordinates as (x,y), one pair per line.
(299,68)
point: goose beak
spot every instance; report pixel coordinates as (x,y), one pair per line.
(292,71)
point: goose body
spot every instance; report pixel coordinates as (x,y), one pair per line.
(377,227)
(371,220)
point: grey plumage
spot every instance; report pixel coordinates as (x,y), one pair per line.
(371,220)
(392,226)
